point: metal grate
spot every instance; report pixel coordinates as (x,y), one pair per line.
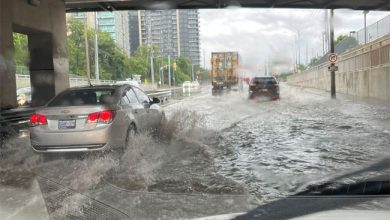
(56,196)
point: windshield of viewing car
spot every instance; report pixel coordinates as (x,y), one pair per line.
(251,107)
(83,97)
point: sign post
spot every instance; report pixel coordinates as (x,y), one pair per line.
(332,58)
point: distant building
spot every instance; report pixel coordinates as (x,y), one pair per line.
(135,30)
(175,32)
(115,23)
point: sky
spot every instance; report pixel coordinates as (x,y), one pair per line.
(272,34)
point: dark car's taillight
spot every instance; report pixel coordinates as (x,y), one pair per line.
(37,119)
(106,117)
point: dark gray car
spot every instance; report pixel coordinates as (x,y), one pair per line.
(93,118)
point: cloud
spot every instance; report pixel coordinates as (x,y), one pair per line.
(261,34)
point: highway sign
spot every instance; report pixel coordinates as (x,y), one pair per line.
(332,58)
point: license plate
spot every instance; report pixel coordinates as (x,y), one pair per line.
(66,124)
(264,90)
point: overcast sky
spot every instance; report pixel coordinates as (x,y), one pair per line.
(261,34)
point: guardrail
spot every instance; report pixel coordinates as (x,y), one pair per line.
(164,95)
(11,121)
(24,81)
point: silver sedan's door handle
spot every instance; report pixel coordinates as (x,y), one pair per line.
(135,110)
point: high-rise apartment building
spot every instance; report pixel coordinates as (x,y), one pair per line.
(114,23)
(175,32)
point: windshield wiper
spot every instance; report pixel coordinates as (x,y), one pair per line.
(369,187)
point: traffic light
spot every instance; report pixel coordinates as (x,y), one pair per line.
(174,66)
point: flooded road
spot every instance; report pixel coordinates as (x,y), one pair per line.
(275,148)
(216,155)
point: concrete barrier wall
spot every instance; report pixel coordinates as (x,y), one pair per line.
(363,72)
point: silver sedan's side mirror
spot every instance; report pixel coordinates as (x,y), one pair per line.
(155,100)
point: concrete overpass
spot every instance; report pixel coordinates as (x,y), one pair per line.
(43,21)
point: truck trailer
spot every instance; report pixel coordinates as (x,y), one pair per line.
(224,66)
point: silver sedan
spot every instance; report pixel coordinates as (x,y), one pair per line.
(93,118)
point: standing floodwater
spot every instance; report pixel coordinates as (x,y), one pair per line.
(215,155)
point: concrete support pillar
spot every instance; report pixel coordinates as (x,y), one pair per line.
(48,58)
(7,65)
(60,47)
(41,67)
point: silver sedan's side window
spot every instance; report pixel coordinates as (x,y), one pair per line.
(142,97)
(124,100)
(131,96)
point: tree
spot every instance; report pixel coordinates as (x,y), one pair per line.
(340,38)
(203,75)
(140,63)
(21,55)
(301,67)
(183,71)
(113,62)
(76,48)
(312,62)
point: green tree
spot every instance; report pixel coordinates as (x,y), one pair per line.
(183,71)
(140,63)
(76,48)
(312,62)
(340,38)
(21,55)
(113,62)
(203,75)
(301,67)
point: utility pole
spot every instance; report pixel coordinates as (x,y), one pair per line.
(323,43)
(307,53)
(87,53)
(192,72)
(332,73)
(299,48)
(326,37)
(162,70)
(365,26)
(169,70)
(96,49)
(151,65)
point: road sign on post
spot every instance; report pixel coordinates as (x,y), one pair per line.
(332,58)
(332,67)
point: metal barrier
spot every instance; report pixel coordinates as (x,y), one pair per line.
(374,31)
(24,81)
(164,95)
